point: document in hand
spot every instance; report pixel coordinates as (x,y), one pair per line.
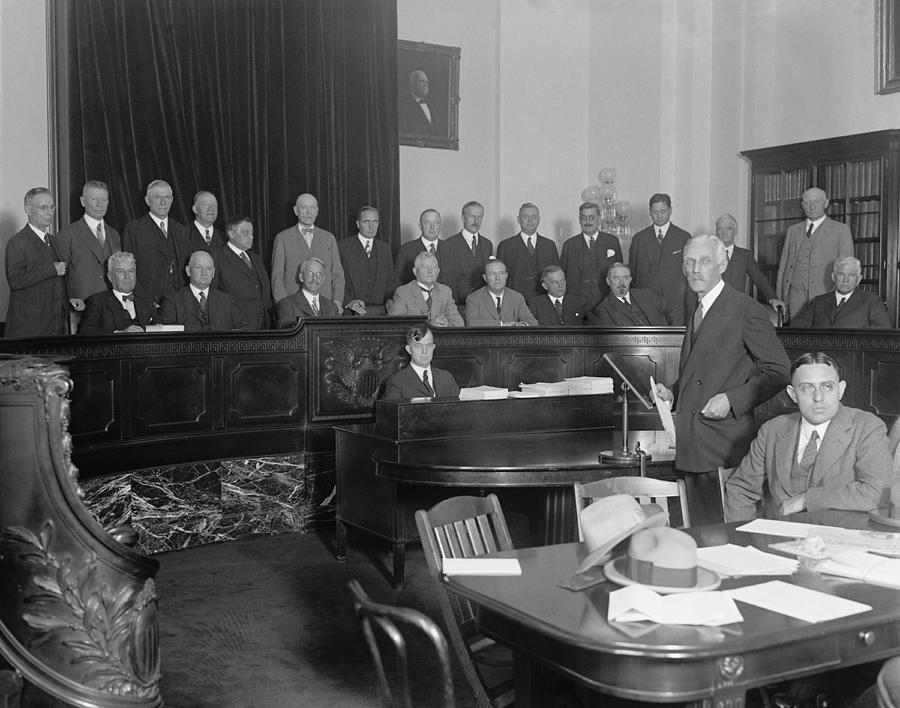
(636,603)
(740,561)
(664,408)
(868,567)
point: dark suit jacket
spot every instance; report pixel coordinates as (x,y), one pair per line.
(737,353)
(251,289)
(38,303)
(181,307)
(464,269)
(658,267)
(296,307)
(160,260)
(412,120)
(196,242)
(586,269)
(743,265)
(573,314)
(359,284)
(862,309)
(85,258)
(104,314)
(612,312)
(406,259)
(406,384)
(523,268)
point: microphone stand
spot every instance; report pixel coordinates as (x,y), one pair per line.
(626,456)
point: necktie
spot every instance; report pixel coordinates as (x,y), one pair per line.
(727,256)
(426,293)
(431,247)
(474,242)
(696,321)
(659,235)
(207,237)
(246,259)
(811,450)
(128,304)
(837,308)
(809,230)
(427,383)
(368,248)
(498,306)
(101,237)
(127,298)
(307,236)
(591,244)
(626,301)
(557,305)
(531,245)
(202,302)
(162,227)
(315,306)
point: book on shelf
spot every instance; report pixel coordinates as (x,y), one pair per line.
(482,393)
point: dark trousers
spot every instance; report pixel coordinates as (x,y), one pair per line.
(704,498)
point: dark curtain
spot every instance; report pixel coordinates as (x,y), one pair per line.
(256,101)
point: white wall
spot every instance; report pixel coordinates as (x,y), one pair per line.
(24,146)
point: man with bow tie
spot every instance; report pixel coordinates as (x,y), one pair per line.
(368,267)
(425,296)
(308,301)
(306,240)
(627,307)
(122,309)
(847,306)
(587,256)
(415,115)
(420,379)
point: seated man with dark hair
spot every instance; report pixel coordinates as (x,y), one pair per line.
(122,309)
(555,308)
(826,456)
(496,305)
(641,307)
(420,379)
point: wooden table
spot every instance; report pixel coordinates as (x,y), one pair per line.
(554,631)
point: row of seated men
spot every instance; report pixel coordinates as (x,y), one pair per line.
(453,282)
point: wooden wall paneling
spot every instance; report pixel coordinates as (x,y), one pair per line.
(881,384)
(263,390)
(96,408)
(173,395)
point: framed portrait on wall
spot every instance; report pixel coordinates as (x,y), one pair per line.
(428,95)
(887,46)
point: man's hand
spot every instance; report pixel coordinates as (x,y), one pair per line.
(440,321)
(340,307)
(776,303)
(60,267)
(77,304)
(357,306)
(663,393)
(717,407)
(793,504)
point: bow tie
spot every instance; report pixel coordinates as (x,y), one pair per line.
(127,298)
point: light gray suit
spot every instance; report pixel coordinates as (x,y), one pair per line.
(85,257)
(409,301)
(481,309)
(289,252)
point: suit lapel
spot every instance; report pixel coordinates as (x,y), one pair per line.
(713,323)
(785,447)
(834,443)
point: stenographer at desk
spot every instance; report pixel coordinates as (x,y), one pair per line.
(827,456)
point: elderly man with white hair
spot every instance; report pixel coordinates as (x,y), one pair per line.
(848,306)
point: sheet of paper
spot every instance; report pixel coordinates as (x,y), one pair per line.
(740,561)
(636,603)
(868,567)
(771,527)
(664,409)
(482,566)
(797,602)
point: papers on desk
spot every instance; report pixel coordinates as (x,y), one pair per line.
(867,567)
(588,385)
(559,388)
(482,566)
(636,603)
(664,408)
(482,393)
(741,561)
(772,527)
(164,328)
(797,602)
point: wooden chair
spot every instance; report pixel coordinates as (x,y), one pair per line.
(463,527)
(889,684)
(644,489)
(377,619)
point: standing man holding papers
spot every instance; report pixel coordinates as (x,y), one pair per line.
(420,379)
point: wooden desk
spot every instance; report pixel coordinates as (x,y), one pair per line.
(554,631)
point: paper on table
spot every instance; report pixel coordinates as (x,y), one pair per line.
(482,566)
(636,603)
(798,602)
(740,561)
(664,408)
(868,567)
(772,527)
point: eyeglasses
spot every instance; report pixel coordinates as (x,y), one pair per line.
(825,388)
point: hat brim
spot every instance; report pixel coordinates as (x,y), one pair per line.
(889,516)
(602,553)
(706,579)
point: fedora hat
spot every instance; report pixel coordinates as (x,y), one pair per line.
(610,520)
(663,559)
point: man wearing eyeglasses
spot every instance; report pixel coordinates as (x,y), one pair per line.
(827,456)
(420,379)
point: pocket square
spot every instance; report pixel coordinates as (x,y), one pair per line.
(610,253)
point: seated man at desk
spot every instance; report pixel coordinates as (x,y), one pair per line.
(425,296)
(554,308)
(420,379)
(641,307)
(496,305)
(308,300)
(122,309)
(827,456)
(848,306)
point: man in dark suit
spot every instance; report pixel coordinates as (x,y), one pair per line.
(847,307)
(420,379)
(203,234)
(38,304)
(159,244)
(641,307)
(555,308)
(414,113)
(527,253)
(429,240)
(742,264)
(87,244)
(731,361)
(656,252)
(242,273)
(308,301)
(588,255)
(122,309)
(368,268)
(199,307)
(465,255)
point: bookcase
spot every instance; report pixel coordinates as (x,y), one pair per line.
(861,176)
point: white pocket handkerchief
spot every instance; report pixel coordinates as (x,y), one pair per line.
(610,253)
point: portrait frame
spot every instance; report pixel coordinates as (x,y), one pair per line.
(440,64)
(887,46)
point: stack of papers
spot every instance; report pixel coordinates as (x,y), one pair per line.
(560,388)
(481,393)
(586,385)
(482,566)
(868,567)
(636,603)
(741,561)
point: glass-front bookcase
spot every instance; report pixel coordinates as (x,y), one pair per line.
(859,173)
